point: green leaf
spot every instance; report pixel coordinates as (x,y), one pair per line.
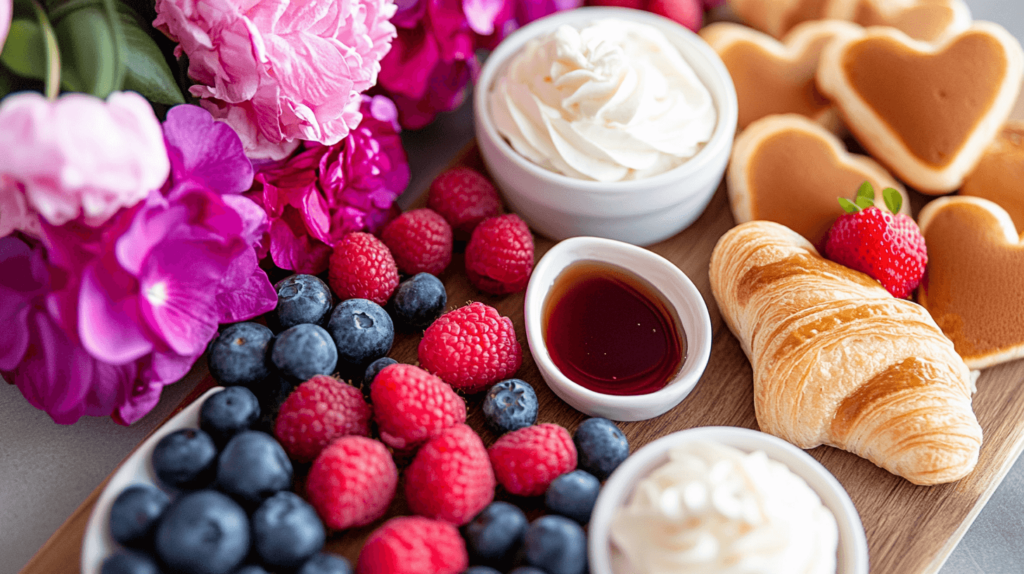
(89,44)
(864,202)
(147,71)
(6,82)
(848,206)
(893,199)
(866,190)
(24,53)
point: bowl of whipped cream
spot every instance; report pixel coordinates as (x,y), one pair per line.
(607,122)
(725,499)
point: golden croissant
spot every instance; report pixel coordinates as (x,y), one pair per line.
(837,360)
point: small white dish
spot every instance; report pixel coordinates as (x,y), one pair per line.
(98,544)
(852,557)
(641,212)
(677,290)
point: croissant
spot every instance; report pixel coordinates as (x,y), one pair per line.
(837,360)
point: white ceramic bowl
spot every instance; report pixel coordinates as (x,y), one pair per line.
(641,212)
(663,275)
(97,543)
(853,546)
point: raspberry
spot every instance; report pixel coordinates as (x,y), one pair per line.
(317,412)
(499,257)
(451,477)
(887,247)
(411,405)
(464,197)
(471,348)
(413,545)
(352,482)
(362,267)
(421,242)
(527,460)
(689,13)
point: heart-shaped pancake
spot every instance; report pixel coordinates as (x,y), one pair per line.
(974,283)
(928,20)
(773,77)
(999,176)
(790,170)
(776,17)
(926,111)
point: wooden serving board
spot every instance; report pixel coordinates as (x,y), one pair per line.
(910,529)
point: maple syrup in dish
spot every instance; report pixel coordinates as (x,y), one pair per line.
(610,331)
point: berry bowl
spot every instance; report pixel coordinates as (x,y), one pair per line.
(673,287)
(641,211)
(852,555)
(98,543)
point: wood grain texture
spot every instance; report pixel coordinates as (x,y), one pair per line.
(910,529)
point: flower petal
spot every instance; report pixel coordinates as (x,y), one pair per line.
(206,151)
(253,298)
(109,322)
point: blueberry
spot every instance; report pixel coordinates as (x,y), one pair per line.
(418,301)
(362,330)
(134,514)
(271,394)
(573,495)
(527,570)
(286,531)
(238,356)
(300,299)
(251,569)
(185,459)
(325,564)
(225,414)
(303,351)
(556,545)
(510,405)
(481,570)
(375,368)
(253,467)
(601,446)
(203,532)
(130,562)
(494,535)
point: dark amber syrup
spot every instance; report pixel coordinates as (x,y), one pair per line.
(610,331)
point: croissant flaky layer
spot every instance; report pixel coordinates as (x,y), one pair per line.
(837,360)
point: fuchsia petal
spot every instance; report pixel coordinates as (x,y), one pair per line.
(177,294)
(251,299)
(206,151)
(292,248)
(109,321)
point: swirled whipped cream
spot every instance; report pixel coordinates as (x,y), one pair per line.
(612,101)
(715,509)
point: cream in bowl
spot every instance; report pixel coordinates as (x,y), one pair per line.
(605,122)
(616,331)
(611,101)
(718,500)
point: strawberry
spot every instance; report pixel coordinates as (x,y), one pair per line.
(886,245)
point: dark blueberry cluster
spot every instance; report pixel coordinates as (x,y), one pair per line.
(500,538)
(228,508)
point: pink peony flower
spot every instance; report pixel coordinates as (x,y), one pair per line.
(77,156)
(280,71)
(6,13)
(433,59)
(318,196)
(105,316)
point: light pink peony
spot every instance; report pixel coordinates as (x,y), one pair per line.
(6,12)
(76,156)
(280,71)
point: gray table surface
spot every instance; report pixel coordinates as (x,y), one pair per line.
(47,470)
